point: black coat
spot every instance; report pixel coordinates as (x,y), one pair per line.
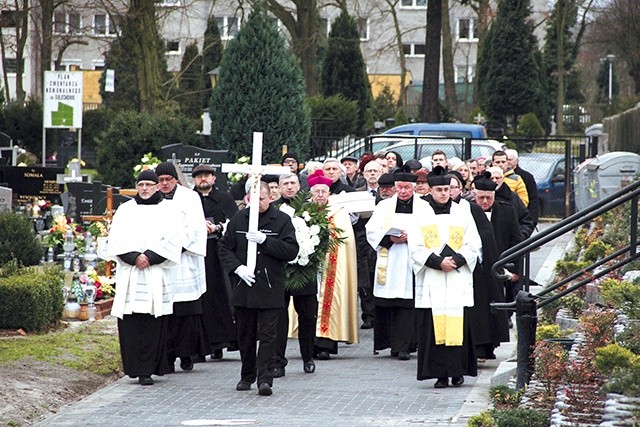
(489,326)
(532,191)
(505,194)
(339,186)
(273,254)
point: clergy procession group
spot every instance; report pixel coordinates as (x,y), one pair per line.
(419,260)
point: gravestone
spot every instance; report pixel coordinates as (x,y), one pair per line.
(188,157)
(5,199)
(84,198)
(29,182)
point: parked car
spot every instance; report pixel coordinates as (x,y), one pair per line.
(444,130)
(549,172)
(422,148)
(401,133)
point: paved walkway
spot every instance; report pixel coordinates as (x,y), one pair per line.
(355,388)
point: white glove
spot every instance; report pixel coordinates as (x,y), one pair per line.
(256,236)
(246,275)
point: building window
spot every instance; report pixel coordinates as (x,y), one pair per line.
(363,28)
(228,26)
(414,49)
(414,3)
(172,46)
(105,25)
(9,18)
(464,73)
(167,3)
(467,29)
(10,65)
(67,23)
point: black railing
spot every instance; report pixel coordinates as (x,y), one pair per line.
(526,306)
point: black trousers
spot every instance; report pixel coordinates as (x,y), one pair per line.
(394,328)
(307,308)
(367,300)
(257,324)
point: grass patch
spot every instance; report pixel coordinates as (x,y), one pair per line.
(90,347)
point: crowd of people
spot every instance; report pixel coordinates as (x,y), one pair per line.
(418,259)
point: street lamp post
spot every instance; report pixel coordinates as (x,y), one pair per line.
(610,59)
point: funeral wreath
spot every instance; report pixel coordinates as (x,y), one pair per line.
(316,236)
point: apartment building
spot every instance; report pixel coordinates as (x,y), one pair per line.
(84,29)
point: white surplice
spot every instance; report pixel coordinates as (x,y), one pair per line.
(137,228)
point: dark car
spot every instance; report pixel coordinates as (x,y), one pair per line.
(549,172)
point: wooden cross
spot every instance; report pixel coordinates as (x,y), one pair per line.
(106,217)
(255,170)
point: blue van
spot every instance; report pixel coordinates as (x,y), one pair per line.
(445,130)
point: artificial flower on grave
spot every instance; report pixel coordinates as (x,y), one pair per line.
(105,286)
(98,229)
(56,235)
(44,205)
(148,161)
(316,236)
(234,177)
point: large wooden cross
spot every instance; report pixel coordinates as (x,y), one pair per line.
(255,170)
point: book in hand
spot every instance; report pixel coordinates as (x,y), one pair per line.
(394,232)
(447,251)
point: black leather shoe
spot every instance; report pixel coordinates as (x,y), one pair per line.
(457,381)
(442,383)
(243,385)
(278,372)
(217,354)
(367,324)
(265,390)
(145,380)
(404,355)
(324,355)
(309,367)
(186,363)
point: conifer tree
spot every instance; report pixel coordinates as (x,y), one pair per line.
(192,91)
(343,70)
(260,89)
(509,75)
(211,53)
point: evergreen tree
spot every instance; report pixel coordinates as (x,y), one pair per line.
(509,73)
(260,89)
(137,58)
(191,94)
(343,70)
(211,53)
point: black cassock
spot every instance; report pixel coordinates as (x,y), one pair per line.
(143,344)
(489,327)
(220,328)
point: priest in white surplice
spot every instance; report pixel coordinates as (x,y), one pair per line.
(444,246)
(147,252)
(393,282)
(186,325)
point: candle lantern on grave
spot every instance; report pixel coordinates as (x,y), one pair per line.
(68,246)
(90,255)
(90,291)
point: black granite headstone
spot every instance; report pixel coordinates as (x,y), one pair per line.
(29,182)
(188,157)
(84,198)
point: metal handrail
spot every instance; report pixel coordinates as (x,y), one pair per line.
(525,304)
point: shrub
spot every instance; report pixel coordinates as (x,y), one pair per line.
(574,304)
(613,358)
(548,331)
(596,251)
(567,268)
(131,134)
(519,417)
(335,115)
(530,126)
(625,381)
(622,295)
(630,337)
(483,419)
(549,364)
(504,397)
(31,299)
(18,240)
